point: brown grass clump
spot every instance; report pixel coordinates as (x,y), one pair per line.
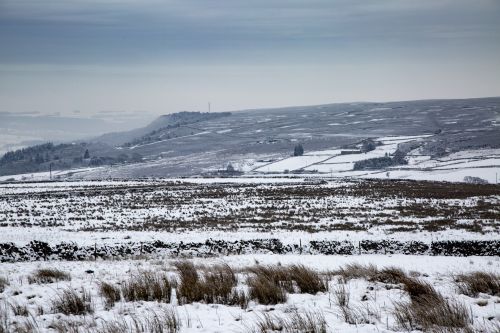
(25,325)
(351,315)
(278,274)
(269,284)
(19,310)
(4,319)
(418,289)
(162,321)
(3,283)
(72,325)
(147,286)
(70,302)
(48,275)
(295,278)
(308,322)
(110,293)
(342,296)
(390,275)
(265,290)
(308,281)
(357,271)
(474,283)
(429,310)
(216,285)
(187,290)
(428,315)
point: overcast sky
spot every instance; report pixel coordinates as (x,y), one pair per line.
(88,56)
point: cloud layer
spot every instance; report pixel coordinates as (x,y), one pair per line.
(321,50)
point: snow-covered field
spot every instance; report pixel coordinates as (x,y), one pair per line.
(482,163)
(292,210)
(352,304)
(324,164)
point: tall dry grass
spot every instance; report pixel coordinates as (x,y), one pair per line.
(48,275)
(71,302)
(216,284)
(146,286)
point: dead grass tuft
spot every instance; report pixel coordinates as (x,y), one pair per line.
(147,286)
(19,309)
(418,289)
(269,284)
(216,285)
(342,295)
(74,325)
(357,271)
(350,315)
(308,281)
(278,274)
(429,310)
(266,291)
(26,325)
(70,302)
(427,315)
(4,319)
(309,322)
(389,275)
(474,283)
(110,293)
(3,283)
(163,321)
(48,275)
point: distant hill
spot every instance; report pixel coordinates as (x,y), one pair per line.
(190,143)
(103,150)
(157,128)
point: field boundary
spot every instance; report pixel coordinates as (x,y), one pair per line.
(37,250)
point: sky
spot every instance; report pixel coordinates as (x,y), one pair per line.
(112,57)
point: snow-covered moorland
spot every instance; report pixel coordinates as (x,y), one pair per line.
(254,293)
(292,211)
(209,288)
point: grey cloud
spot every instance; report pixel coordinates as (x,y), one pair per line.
(166,55)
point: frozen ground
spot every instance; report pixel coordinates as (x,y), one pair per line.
(371,304)
(292,210)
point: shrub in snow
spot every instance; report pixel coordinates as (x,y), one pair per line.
(474,180)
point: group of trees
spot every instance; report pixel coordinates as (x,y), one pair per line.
(366,146)
(382,162)
(36,154)
(369,145)
(298,150)
(59,157)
